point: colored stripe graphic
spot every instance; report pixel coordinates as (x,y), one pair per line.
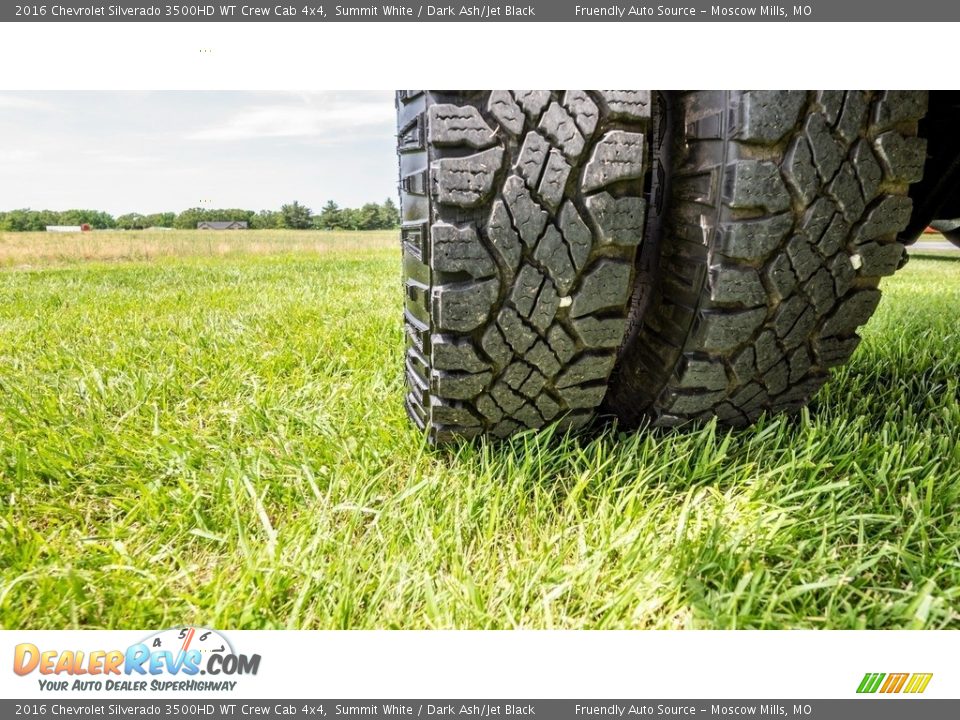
(870,682)
(918,682)
(894,683)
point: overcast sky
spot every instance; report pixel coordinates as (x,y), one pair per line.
(155,151)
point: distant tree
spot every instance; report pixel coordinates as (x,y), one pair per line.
(368,217)
(349,219)
(94,218)
(389,215)
(330,217)
(19,220)
(132,221)
(295,216)
(25,220)
(266,220)
(165,220)
(188,219)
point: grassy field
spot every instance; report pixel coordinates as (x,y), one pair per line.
(216,437)
(41,249)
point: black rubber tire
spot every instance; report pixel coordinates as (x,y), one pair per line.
(521,214)
(782,215)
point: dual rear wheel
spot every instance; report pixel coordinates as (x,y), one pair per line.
(660,257)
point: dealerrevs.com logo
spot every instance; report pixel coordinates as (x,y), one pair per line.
(168,660)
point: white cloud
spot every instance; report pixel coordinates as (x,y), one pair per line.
(15,155)
(317,118)
(18,102)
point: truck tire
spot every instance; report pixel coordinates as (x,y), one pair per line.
(782,215)
(521,213)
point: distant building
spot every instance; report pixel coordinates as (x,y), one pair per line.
(68,228)
(218,225)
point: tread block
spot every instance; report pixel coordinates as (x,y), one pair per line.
(546,308)
(533,154)
(852,313)
(800,362)
(755,184)
(835,236)
(489,408)
(830,102)
(532,101)
(605,286)
(754,239)
(721,331)
(451,413)
(458,249)
(834,351)
(846,190)
(526,288)
(617,156)
(600,332)
(803,257)
(463,306)
(547,407)
(503,107)
(900,106)
(533,384)
(868,170)
(885,219)
(692,404)
(459,125)
(528,217)
(736,285)
(880,260)
(561,343)
(780,276)
(503,238)
(583,109)
(506,398)
(855,107)
(843,273)
(820,290)
(468,181)
(627,104)
(541,356)
(554,179)
(799,172)
(827,151)
(495,345)
(766,116)
(450,353)
(515,332)
(707,374)
(516,374)
(576,233)
(902,157)
(767,351)
(553,254)
(619,220)
(582,396)
(459,385)
(557,125)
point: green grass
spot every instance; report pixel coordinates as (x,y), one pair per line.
(221,441)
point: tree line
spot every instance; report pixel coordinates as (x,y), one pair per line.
(371,216)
